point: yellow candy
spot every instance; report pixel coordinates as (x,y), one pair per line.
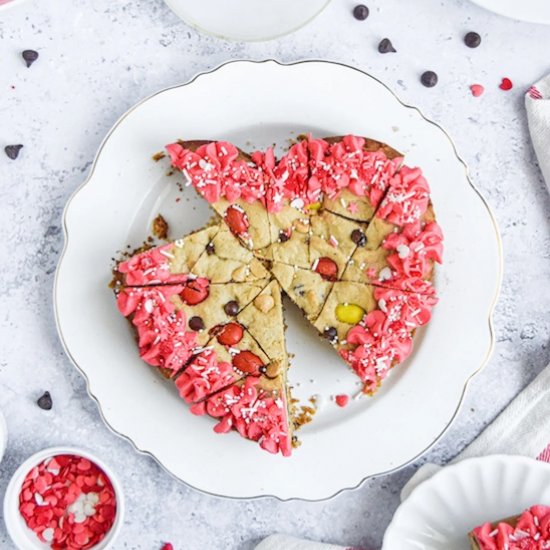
(349,313)
(314,206)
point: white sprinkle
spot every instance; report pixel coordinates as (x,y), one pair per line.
(48,534)
(297,203)
(403,251)
(385,274)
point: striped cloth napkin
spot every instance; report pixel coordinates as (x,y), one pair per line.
(537,102)
(524,426)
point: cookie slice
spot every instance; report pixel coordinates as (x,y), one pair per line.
(172,321)
(405,259)
(528,530)
(406,203)
(230,355)
(263,318)
(354,173)
(167,264)
(257,407)
(306,288)
(232,183)
(372,327)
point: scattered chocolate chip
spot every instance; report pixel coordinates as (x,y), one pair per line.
(263,369)
(45,401)
(360,12)
(386,46)
(294,438)
(13,151)
(330,333)
(196,323)
(231,308)
(210,248)
(30,56)
(429,79)
(472,40)
(358,237)
(283,236)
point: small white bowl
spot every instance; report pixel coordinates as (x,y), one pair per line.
(23,537)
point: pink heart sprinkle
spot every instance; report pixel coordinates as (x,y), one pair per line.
(506,84)
(477,89)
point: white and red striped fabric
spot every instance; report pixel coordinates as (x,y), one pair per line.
(537,102)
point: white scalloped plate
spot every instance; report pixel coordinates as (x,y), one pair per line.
(440,512)
(247,20)
(255,104)
(534,11)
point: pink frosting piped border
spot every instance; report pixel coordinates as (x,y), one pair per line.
(253,412)
(310,169)
(531,532)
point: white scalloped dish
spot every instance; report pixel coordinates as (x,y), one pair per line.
(253,105)
(440,512)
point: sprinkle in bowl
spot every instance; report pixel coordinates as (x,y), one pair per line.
(63,497)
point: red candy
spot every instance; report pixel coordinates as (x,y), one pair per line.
(237,220)
(506,84)
(167,546)
(327,268)
(195,291)
(229,334)
(247,362)
(68,502)
(342,400)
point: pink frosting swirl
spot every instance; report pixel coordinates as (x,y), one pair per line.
(151,267)
(204,376)
(407,198)
(163,340)
(415,250)
(531,532)
(253,412)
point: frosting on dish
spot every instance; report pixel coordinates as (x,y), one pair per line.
(530,531)
(254,412)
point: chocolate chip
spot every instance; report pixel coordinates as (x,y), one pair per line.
(263,369)
(429,79)
(231,308)
(386,46)
(358,237)
(331,334)
(283,236)
(196,323)
(12,151)
(45,401)
(30,56)
(360,12)
(472,40)
(210,248)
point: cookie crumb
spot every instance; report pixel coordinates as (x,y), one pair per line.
(160,228)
